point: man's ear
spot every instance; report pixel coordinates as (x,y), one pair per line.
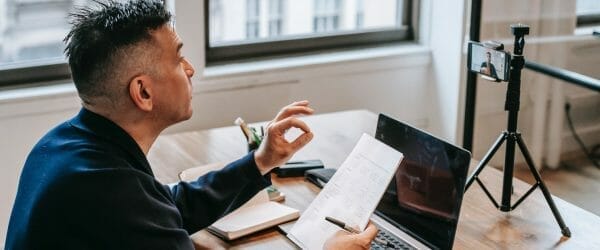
(140,92)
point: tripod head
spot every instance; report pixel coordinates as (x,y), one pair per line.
(519,31)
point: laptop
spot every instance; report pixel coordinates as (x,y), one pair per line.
(420,207)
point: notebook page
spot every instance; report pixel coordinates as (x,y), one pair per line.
(351,195)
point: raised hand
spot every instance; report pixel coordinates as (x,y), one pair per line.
(274,149)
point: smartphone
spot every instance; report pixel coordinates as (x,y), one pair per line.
(488,61)
(297,168)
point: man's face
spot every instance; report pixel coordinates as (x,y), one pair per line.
(174,85)
(488,56)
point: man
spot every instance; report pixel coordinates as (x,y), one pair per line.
(487,67)
(87,183)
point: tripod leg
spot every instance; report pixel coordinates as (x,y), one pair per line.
(488,156)
(564,229)
(507,180)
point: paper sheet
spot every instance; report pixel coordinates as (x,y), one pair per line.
(351,195)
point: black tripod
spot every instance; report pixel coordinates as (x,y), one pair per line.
(511,136)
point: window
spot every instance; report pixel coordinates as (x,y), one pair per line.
(31,40)
(588,12)
(31,33)
(283,27)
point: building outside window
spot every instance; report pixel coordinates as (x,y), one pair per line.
(327,15)
(301,26)
(216,19)
(31,40)
(31,31)
(360,13)
(31,34)
(276,15)
(252,19)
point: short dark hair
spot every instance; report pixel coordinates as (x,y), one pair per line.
(100,35)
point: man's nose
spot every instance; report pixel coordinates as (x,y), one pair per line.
(189,69)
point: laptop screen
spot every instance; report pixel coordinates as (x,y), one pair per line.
(425,195)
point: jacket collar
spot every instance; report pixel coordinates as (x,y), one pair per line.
(99,125)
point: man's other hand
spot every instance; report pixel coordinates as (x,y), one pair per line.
(348,241)
(274,149)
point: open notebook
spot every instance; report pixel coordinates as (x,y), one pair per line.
(257,214)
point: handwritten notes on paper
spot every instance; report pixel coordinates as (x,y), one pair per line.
(351,195)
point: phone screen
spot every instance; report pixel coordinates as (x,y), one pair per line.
(489,62)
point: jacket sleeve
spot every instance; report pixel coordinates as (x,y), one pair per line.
(217,193)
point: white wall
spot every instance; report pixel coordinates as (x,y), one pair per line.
(446,93)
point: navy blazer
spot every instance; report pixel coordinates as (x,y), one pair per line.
(87,185)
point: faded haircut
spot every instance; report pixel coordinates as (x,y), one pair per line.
(109,43)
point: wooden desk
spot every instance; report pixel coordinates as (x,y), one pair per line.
(481,226)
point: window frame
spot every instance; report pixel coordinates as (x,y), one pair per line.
(588,18)
(269,47)
(31,73)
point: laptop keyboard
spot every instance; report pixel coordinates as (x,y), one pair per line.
(392,240)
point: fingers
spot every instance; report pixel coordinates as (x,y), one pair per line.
(301,141)
(289,122)
(296,108)
(370,232)
(276,149)
(365,238)
(300,103)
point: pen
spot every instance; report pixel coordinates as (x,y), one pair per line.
(250,134)
(240,122)
(352,230)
